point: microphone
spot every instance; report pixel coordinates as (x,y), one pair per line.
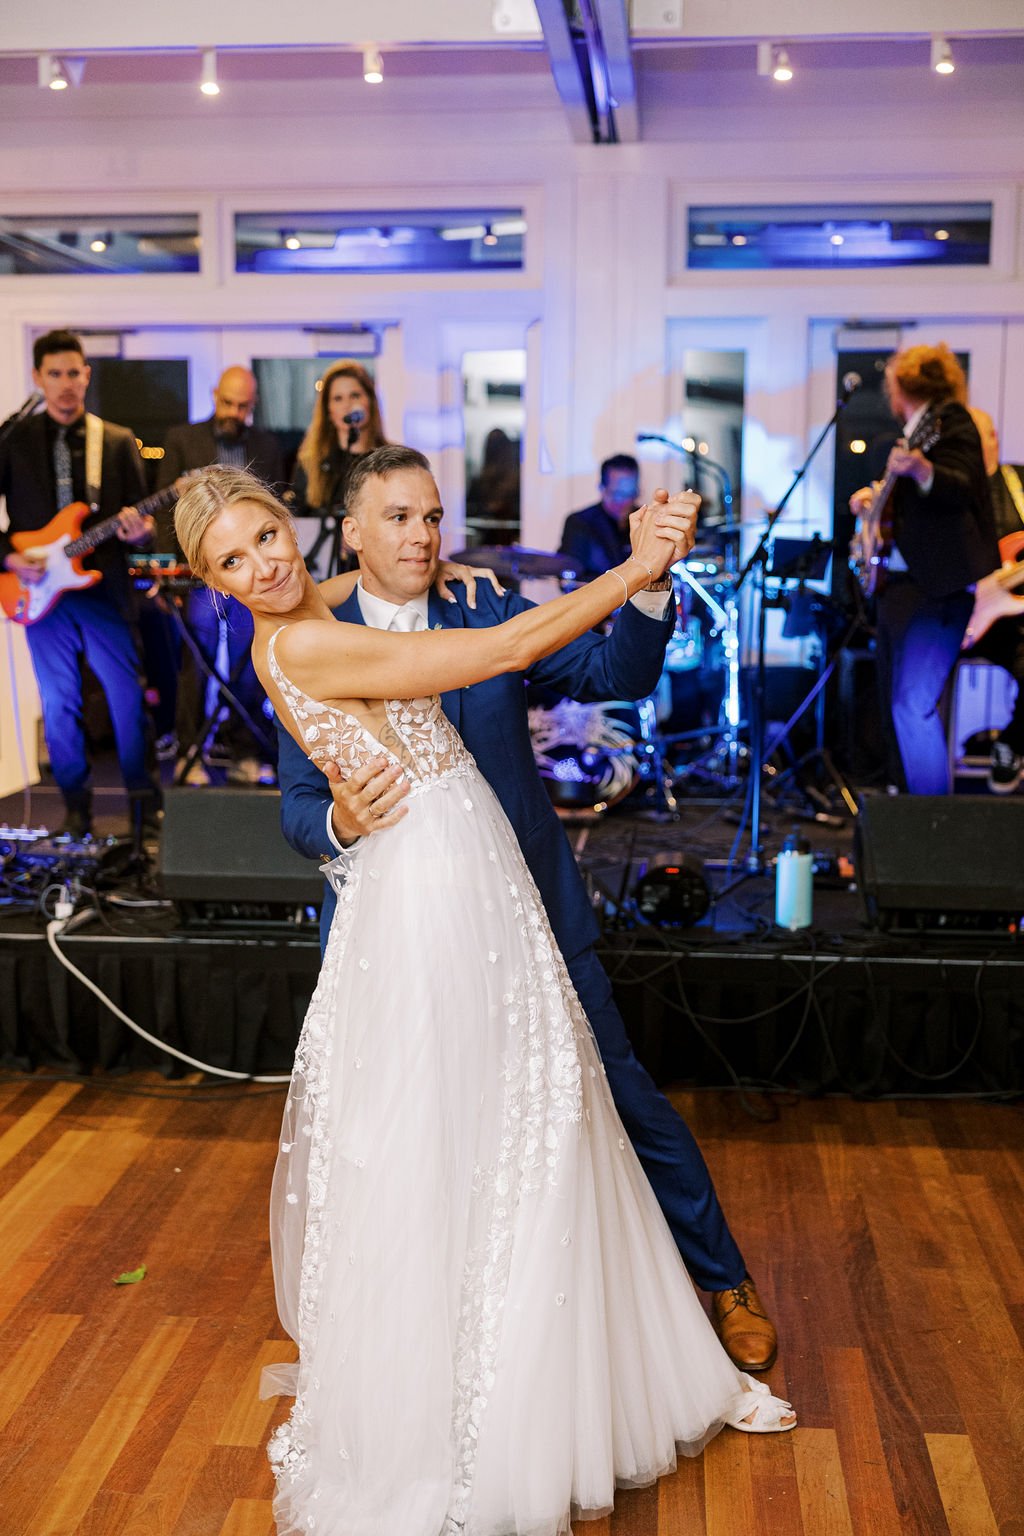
(649,437)
(26,408)
(356,418)
(851,383)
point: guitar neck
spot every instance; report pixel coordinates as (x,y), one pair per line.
(99,533)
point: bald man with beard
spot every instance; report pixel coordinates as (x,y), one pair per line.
(229,438)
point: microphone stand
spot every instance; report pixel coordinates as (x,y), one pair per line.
(331,521)
(758,561)
(24,411)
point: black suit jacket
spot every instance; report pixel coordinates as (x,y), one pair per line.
(26,480)
(948,537)
(592,539)
(194,446)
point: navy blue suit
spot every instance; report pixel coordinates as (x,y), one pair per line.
(492,720)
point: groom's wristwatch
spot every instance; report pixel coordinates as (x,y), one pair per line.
(663,584)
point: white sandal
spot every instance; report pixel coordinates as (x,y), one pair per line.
(758,1412)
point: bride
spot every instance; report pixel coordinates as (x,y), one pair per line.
(495,1328)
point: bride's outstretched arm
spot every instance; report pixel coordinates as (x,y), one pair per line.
(330,660)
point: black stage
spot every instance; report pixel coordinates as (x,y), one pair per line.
(732,1001)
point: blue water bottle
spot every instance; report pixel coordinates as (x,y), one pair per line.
(794,883)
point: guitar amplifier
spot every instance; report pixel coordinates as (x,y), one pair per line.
(938,863)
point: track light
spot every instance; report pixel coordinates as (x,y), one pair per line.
(942,56)
(208,83)
(52,73)
(373,66)
(99,243)
(490,238)
(292,243)
(782,69)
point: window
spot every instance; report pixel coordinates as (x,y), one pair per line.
(840,236)
(447,240)
(99,246)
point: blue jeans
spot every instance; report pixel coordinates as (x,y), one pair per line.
(662,1141)
(918,644)
(86,625)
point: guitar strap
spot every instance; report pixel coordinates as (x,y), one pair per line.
(1011,480)
(93,459)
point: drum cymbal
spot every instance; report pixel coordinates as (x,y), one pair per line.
(513,561)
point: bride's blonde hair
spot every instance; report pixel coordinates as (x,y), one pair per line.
(207,496)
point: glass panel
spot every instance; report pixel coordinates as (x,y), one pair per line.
(865,432)
(87,245)
(148,396)
(438,240)
(494,419)
(288,387)
(840,235)
(713,428)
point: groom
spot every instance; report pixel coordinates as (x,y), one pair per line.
(394,523)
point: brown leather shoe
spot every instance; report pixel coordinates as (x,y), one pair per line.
(747,1332)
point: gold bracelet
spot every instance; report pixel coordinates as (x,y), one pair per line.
(643,567)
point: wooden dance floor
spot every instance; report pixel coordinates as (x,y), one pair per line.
(888,1237)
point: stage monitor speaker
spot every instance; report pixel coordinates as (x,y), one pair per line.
(941,863)
(226,845)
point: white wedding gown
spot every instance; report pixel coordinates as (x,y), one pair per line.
(495,1328)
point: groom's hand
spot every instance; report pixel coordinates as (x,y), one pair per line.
(368,801)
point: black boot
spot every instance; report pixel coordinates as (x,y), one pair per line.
(77,821)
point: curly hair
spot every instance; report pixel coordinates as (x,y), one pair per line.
(207,496)
(928,373)
(321,436)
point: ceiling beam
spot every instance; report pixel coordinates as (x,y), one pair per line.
(565,68)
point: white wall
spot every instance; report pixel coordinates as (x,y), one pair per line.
(605,302)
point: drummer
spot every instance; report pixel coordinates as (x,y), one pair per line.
(598,536)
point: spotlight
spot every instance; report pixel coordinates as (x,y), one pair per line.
(99,244)
(782,70)
(858,445)
(490,238)
(208,79)
(739,239)
(942,234)
(942,56)
(292,243)
(52,73)
(835,240)
(673,889)
(373,66)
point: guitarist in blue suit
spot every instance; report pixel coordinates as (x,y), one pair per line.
(43,468)
(399,549)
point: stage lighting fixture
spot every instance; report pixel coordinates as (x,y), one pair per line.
(942,56)
(99,244)
(292,243)
(373,66)
(490,238)
(942,234)
(52,74)
(672,890)
(782,70)
(208,83)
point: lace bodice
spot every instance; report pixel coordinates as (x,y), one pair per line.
(418,736)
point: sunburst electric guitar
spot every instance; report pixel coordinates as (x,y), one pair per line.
(871,545)
(993,594)
(63,546)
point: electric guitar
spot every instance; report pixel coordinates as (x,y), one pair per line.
(993,594)
(63,546)
(871,544)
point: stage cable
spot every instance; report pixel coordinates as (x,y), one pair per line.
(53,931)
(19,734)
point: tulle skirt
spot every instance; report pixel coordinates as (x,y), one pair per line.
(495,1328)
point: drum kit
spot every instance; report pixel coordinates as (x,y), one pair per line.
(592,756)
